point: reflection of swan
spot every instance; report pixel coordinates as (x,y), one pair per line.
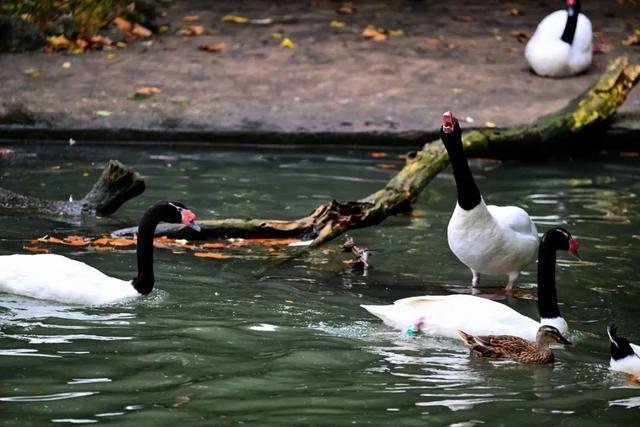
(58,278)
(445,315)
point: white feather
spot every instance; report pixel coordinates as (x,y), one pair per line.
(444,315)
(55,277)
(550,56)
(629,364)
(493,239)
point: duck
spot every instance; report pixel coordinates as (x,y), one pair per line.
(516,348)
(625,357)
(445,315)
(561,46)
(488,239)
(62,279)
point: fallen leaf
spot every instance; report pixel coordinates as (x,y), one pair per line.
(345,9)
(433,41)
(235,19)
(261,21)
(288,301)
(490,124)
(264,242)
(59,42)
(121,45)
(287,42)
(463,18)
(122,24)
(81,43)
(50,239)
(599,49)
(456,90)
(337,24)
(111,56)
(5,152)
(74,240)
(103,113)
(31,72)
(416,214)
(515,11)
(148,90)
(629,154)
(36,249)
(164,28)
(192,30)
(190,18)
(378,154)
(451,46)
(66,65)
(632,40)
(181,400)
(213,246)
(214,255)
(521,36)
(113,241)
(395,33)
(370,32)
(141,31)
(213,47)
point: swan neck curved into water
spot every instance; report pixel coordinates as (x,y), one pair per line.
(572,22)
(146,231)
(547,296)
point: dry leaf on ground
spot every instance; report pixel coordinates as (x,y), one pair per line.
(213,47)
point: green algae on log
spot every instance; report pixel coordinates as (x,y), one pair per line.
(548,134)
(117,184)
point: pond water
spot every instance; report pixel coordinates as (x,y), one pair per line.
(254,339)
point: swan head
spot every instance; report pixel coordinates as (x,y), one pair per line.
(561,239)
(573,7)
(183,215)
(619,346)
(450,132)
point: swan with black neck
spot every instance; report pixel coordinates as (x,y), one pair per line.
(58,278)
(562,43)
(488,239)
(445,315)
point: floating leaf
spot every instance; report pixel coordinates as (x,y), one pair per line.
(213,47)
(378,154)
(287,42)
(103,113)
(213,246)
(114,241)
(36,249)
(214,255)
(386,166)
(632,40)
(337,24)
(235,19)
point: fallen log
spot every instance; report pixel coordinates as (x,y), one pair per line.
(117,184)
(585,114)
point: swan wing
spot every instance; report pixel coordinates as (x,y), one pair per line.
(446,315)
(58,278)
(514,218)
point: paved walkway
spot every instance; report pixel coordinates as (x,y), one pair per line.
(450,55)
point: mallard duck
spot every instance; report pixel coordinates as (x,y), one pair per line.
(516,348)
(490,239)
(58,278)
(625,357)
(561,44)
(445,315)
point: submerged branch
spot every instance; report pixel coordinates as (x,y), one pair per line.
(588,112)
(117,184)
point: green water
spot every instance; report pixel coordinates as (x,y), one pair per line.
(256,340)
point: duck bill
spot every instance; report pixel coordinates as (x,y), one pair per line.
(563,340)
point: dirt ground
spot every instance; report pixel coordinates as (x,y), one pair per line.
(458,55)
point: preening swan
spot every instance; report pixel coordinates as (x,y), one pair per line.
(58,278)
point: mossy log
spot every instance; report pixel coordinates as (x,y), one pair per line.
(587,113)
(117,184)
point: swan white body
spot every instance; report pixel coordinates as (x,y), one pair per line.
(551,56)
(58,278)
(629,364)
(445,315)
(493,240)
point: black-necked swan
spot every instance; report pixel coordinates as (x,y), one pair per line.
(625,357)
(445,315)
(58,278)
(490,239)
(561,44)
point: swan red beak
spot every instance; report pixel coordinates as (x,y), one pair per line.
(574,245)
(189,219)
(447,122)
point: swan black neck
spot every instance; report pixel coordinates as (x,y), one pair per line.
(468,192)
(573,11)
(547,296)
(161,211)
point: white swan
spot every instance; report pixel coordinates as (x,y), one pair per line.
(490,239)
(625,357)
(561,44)
(58,278)
(445,315)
